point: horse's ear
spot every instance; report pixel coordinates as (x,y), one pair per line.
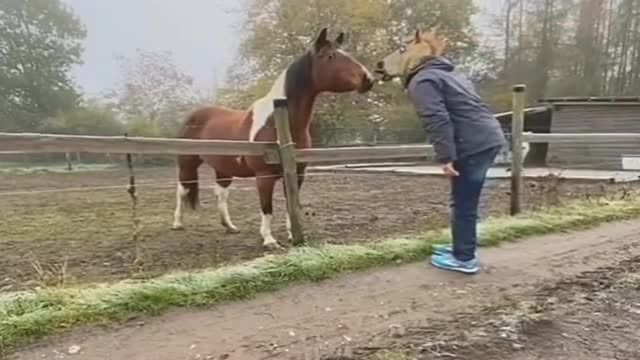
(418,36)
(321,40)
(340,39)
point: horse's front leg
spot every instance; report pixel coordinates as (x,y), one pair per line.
(265,187)
(222,193)
(181,194)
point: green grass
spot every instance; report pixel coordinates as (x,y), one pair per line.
(16,169)
(32,314)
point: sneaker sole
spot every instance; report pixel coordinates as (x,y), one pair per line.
(443,252)
(462,270)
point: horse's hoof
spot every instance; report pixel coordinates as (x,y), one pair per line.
(232,230)
(177,227)
(274,246)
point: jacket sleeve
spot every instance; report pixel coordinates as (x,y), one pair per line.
(427,97)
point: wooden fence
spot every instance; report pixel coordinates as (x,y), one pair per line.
(283,152)
(519,137)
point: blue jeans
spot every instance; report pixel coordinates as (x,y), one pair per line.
(465,198)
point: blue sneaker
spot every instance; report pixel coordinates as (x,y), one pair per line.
(448,262)
(440,249)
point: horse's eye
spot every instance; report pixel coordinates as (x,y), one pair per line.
(332,56)
(402,49)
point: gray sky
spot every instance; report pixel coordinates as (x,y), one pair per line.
(202,35)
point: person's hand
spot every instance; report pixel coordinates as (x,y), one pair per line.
(449,170)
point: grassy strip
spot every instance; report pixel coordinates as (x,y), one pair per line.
(19,169)
(37,313)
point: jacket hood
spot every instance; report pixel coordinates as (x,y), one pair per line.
(438,62)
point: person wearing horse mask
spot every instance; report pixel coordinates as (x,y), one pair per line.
(465,135)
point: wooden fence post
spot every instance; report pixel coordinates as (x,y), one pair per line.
(517,126)
(289,168)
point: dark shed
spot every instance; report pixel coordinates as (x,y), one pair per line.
(536,120)
(593,115)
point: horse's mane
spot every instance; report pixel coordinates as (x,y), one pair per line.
(298,77)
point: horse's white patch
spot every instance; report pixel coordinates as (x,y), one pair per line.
(364,68)
(223,197)
(265,230)
(181,192)
(263,107)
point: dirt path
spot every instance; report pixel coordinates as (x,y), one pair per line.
(605,326)
(307,322)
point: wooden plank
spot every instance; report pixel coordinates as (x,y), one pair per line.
(591,99)
(596,103)
(517,126)
(45,143)
(364,153)
(582,138)
(359,153)
(289,168)
(527,111)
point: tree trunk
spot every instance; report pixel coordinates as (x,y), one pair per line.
(544,60)
(606,68)
(507,38)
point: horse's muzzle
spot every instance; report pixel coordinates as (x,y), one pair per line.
(367,84)
(380,70)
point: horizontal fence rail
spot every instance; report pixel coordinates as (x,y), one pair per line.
(596,103)
(527,111)
(339,154)
(45,143)
(581,138)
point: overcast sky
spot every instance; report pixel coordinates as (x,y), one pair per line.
(202,35)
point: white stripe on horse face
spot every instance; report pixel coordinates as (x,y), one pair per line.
(364,68)
(263,108)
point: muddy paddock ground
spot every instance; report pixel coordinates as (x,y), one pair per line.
(77,227)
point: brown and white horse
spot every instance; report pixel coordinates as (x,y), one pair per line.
(323,68)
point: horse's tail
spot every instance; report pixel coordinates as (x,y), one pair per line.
(188,164)
(188,177)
